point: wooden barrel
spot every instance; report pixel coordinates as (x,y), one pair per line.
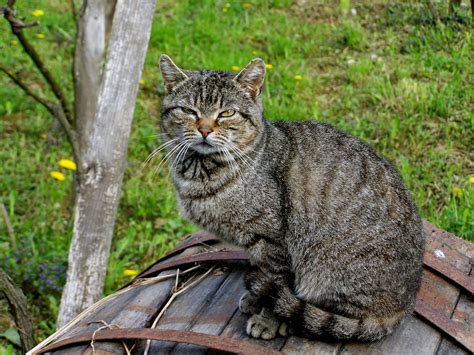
(188,303)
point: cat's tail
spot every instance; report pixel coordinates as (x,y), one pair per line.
(311,321)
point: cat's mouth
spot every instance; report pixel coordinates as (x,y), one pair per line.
(205,147)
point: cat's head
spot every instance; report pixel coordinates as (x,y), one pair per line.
(212,111)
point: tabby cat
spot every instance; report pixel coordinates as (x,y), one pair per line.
(334,238)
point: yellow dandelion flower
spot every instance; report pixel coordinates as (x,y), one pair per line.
(142,82)
(40,35)
(57,175)
(130,272)
(225,9)
(457,192)
(298,77)
(246,5)
(269,66)
(14,42)
(235,68)
(67,164)
(471,179)
(254,52)
(37,13)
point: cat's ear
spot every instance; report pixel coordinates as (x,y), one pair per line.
(172,75)
(252,77)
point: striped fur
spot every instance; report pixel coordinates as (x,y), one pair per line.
(334,238)
(311,321)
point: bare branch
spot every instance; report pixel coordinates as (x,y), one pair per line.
(47,104)
(55,110)
(17,27)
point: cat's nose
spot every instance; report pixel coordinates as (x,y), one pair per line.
(204,131)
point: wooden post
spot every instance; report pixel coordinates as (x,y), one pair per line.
(103,157)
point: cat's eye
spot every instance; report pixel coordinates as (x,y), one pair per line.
(227,113)
(188,111)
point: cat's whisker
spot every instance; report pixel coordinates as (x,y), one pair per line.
(242,157)
(168,156)
(181,154)
(233,162)
(158,150)
(246,160)
(222,144)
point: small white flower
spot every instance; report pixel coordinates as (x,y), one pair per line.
(351,61)
(353,12)
(439,254)
(373,57)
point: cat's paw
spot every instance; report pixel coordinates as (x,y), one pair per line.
(248,304)
(285,330)
(261,326)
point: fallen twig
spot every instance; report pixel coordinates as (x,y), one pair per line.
(106,326)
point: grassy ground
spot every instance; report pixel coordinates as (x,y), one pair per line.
(382,71)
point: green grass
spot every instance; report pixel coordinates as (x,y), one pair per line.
(388,75)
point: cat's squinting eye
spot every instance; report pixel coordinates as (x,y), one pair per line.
(227,113)
(188,111)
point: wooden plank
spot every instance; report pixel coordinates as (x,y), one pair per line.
(183,310)
(448,247)
(450,347)
(213,318)
(133,309)
(154,295)
(413,337)
(139,313)
(464,314)
(106,313)
(438,293)
(296,345)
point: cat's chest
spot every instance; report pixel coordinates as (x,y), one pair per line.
(236,209)
(204,207)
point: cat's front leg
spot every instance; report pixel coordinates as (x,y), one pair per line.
(269,263)
(249,304)
(261,291)
(266,325)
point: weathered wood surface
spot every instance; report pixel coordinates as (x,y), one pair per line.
(211,307)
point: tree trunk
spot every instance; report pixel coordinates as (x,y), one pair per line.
(103,157)
(88,59)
